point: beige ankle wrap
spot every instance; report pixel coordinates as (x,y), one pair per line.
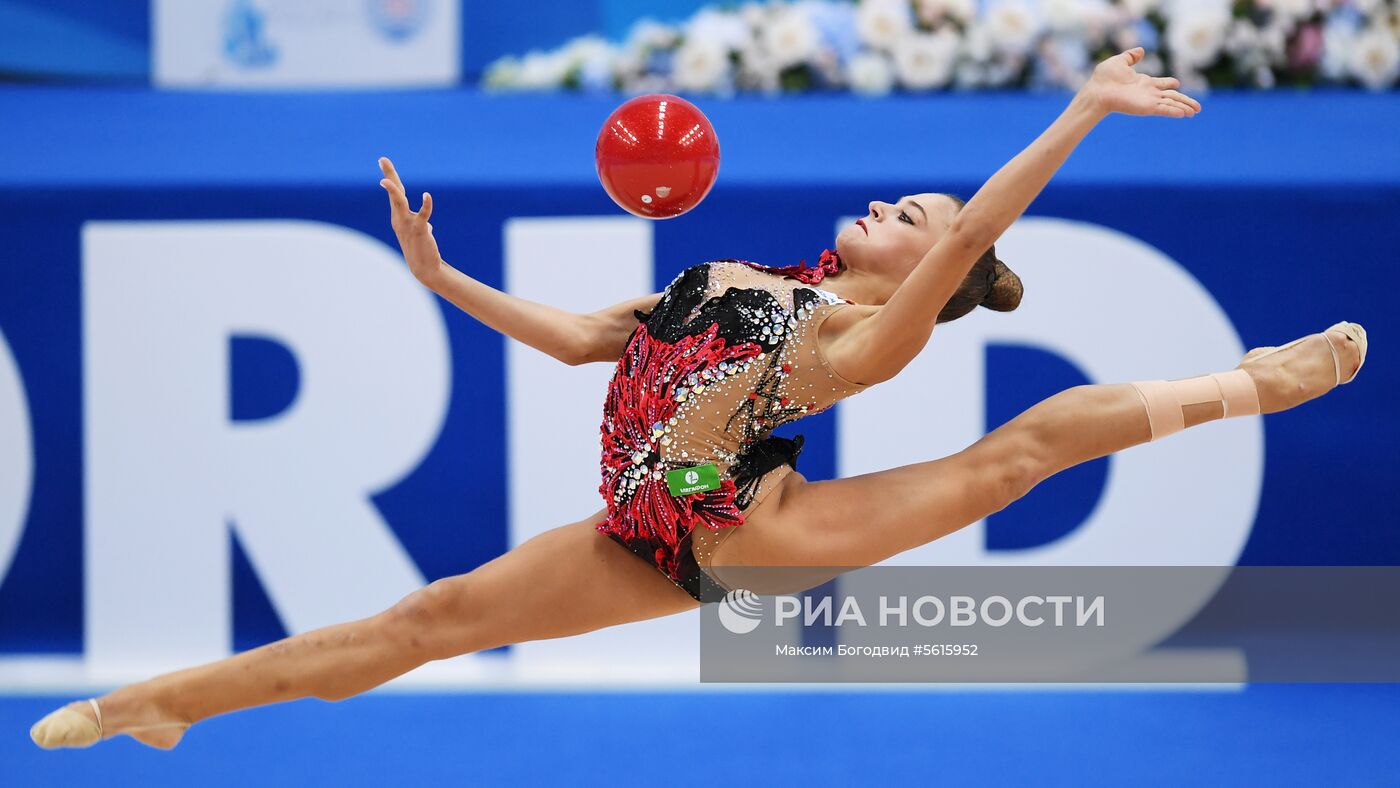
(1166,400)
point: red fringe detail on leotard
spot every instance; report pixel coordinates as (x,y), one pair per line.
(829,265)
(644,394)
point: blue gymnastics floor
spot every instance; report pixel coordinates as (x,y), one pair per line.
(1264,735)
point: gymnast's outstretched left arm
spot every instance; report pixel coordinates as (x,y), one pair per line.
(882,344)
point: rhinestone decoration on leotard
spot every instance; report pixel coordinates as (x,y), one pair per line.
(725,356)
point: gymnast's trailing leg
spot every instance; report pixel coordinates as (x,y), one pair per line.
(565,581)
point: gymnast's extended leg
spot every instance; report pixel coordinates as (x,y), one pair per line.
(566,581)
(862,520)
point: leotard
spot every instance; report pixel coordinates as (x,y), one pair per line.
(728,353)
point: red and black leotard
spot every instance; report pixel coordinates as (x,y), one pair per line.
(728,353)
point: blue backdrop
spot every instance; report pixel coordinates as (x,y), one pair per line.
(1283,207)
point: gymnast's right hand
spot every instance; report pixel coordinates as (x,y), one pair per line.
(415,234)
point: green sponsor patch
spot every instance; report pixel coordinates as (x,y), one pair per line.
(684,481)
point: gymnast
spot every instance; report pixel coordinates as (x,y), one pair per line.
(693,483)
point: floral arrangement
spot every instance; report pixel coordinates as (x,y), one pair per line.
(873,47)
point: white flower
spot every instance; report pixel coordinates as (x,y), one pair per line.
(932,10)
(1273,39)
(870,74)
(881,23)
(1066,16)
(970,74)
(926,60)
(1254,47)
(755,15)
(977,43)
(1375,57)
(1368,7)
(1013,27)
(962,10)
(650,34)
(1175,8)
(700,64)
(585,48)
(503,74)
(1140,8)
(757,70)
(1292,10)
(627,63)
(1241,36)
(790,38)
(543,70)
(1098,23)
(1194,36)
(593,57)
(725,29)
(1338,41)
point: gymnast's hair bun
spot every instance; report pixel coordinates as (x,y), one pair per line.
(1005,292)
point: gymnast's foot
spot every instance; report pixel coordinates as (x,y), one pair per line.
(1305,368)
(86,722)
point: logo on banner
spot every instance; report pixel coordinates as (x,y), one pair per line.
(306,43)
(245,30)
(398,20)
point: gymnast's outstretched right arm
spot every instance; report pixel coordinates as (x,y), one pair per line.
(571,337)
(878,347)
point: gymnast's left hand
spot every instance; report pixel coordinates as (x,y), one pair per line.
(415,234)
(1116,87)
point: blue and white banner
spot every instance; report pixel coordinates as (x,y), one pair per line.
(281,396)
(305,43)
(228,412)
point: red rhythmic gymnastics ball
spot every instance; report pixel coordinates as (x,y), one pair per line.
(657,156)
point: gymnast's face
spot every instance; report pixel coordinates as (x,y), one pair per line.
(893,237)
